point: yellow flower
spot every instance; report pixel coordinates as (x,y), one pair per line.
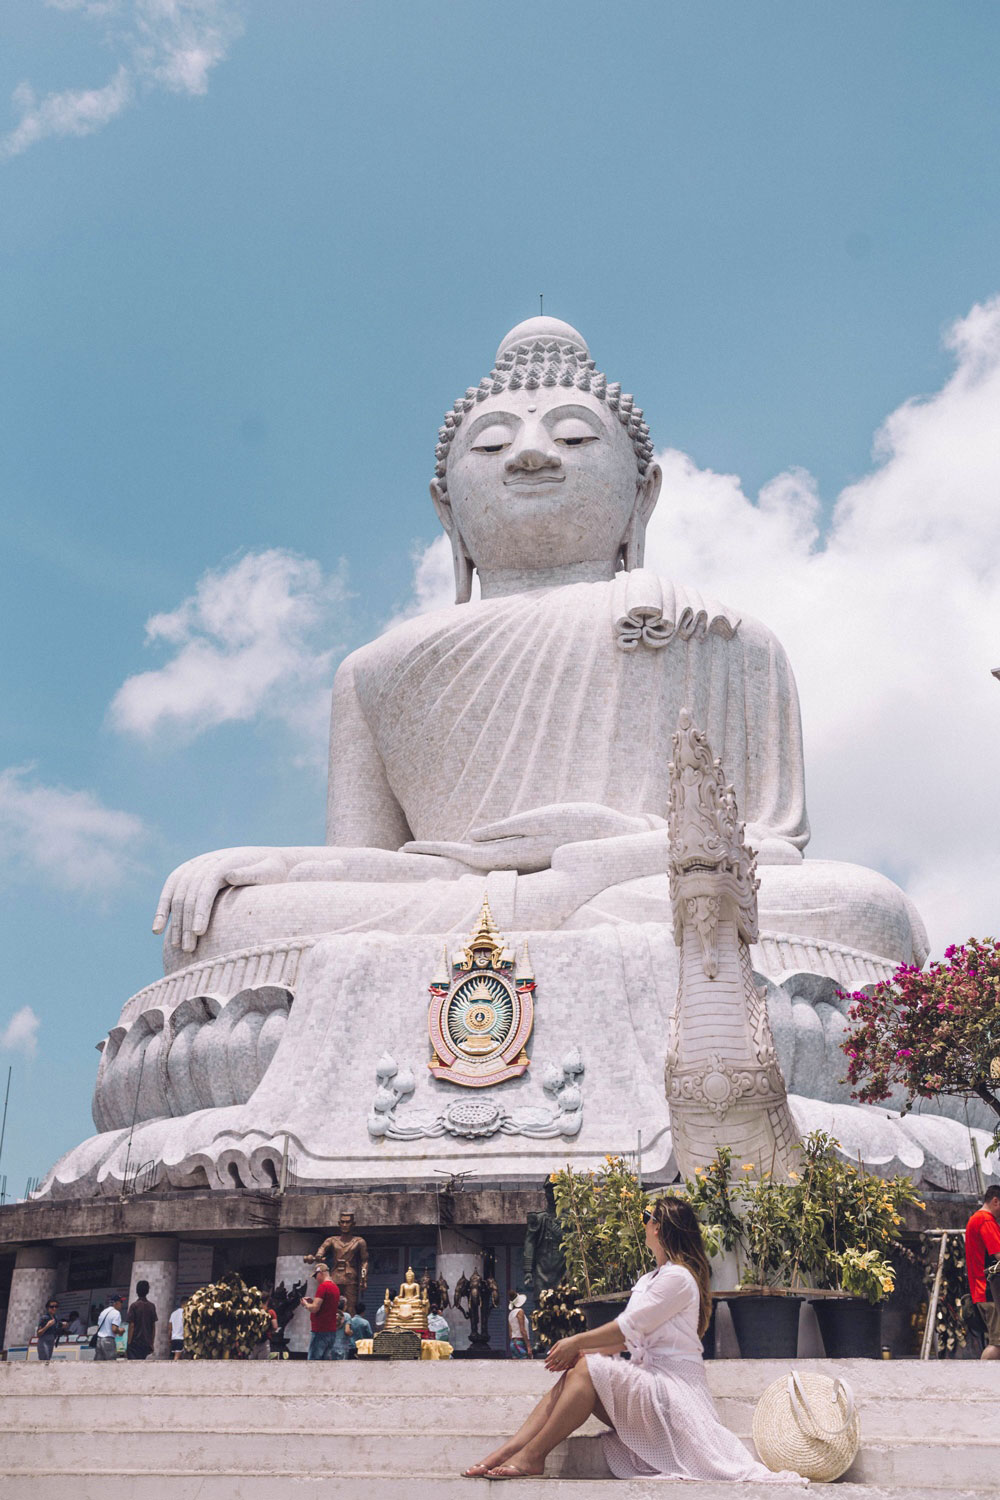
(699,1171)
(794,1176)
(748,1166)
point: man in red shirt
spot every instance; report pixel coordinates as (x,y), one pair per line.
(323,1314)
(982,1243)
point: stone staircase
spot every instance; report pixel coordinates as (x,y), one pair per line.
(336,1431)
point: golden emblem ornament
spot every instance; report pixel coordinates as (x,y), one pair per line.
(482,1010)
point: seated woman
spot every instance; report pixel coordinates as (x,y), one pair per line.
(658,1406)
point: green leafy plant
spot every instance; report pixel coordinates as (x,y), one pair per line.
(864,1273)
(833,1225)
(603,1233)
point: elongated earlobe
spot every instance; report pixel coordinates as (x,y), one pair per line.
(461,561)
(632,552)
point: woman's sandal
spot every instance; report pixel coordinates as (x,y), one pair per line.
(514,1471)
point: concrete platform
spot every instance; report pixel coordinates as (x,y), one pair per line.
(336,1431)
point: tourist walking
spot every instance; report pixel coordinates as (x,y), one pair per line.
(49,1328)
(177,1332)
(437,1324)
(358,1327)
(141,1318)
(517,1327)
(324,1316)
(657,1404)
(109,1325)
(982,1245)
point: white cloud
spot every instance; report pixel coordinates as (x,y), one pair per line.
(168,44)
(251,641)
(891,618)
(433,581)
(21,1032)
(68,837)
(892,623)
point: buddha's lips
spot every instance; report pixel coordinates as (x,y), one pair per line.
(533,480)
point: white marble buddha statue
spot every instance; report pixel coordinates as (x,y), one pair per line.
(529,731)
(514,746)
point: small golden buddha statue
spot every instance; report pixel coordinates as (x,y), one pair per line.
(409,1310)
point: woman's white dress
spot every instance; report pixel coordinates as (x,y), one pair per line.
(661,1409)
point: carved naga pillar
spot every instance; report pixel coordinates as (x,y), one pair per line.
(723,1080)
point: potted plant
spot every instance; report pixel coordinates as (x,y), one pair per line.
(754,1218)
(851,1225)
(826,1235)
(603,1235)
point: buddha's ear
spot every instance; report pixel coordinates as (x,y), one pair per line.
(461,560)
(647,492)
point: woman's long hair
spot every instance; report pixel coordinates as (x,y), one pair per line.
(680,1235)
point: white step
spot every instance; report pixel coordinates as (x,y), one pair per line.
(165,1431)
(221,1486)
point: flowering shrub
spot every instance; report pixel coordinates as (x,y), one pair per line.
(865,1273)
(931,1031)
(832,1225)
(603,1234)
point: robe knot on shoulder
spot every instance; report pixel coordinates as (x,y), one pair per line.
(651,611)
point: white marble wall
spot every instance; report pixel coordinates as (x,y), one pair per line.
(33,1283)
(155,1261)
(457,1255)
(289,1268)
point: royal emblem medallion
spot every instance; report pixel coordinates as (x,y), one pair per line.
(482,1011)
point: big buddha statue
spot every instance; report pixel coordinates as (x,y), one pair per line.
(513,747)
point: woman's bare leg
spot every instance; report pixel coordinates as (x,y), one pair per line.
(575,1401)
(534,1423)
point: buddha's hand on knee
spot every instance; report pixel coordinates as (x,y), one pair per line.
(772,851)
(189,894)
(527,841)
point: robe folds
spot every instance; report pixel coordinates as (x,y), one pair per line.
(467,715)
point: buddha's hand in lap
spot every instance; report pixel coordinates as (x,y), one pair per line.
(189,894)
(527,841)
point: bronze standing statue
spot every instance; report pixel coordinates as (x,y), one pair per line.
(544,1262)
(346,1253)
(481,1295)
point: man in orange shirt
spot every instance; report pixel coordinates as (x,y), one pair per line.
(982,1243)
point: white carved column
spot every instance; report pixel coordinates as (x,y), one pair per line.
(33,1283)
(289,1268)
(457,1255)
(155,1261)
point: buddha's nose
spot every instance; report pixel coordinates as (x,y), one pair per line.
(535,450)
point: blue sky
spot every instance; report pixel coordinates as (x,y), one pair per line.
(234,312)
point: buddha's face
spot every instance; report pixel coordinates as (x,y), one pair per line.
(409,1278)
(541,479)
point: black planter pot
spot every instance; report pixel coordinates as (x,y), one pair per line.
(708,1337)
(766,1327)
(851,1327)
(601,1310)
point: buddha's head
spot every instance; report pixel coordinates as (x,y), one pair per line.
(409,1278)
(544,464)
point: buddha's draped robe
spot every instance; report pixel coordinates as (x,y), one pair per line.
(492,708)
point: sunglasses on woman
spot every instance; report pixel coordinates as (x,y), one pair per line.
(647,1215)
